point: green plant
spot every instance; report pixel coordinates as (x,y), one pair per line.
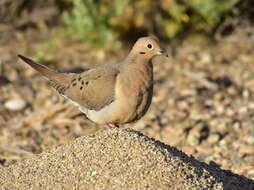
(211,11)
(204,15)
(89,20)
(104,21)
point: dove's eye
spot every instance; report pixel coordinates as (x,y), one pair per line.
(149,46)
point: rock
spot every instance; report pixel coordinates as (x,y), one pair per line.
(193,140)
(213,139)
(117,159)
(242,110)
(247,149)
(206,58)
(15,104)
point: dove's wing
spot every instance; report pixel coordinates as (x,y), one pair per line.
(94,88)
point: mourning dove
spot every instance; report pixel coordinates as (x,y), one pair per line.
(110,94)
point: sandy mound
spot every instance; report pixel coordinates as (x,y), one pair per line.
(117,159)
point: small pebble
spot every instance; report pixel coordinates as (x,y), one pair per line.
(251,105)
(213,139)
(206,58)
(189,150)
(243,110)
(193,140)
(208,103)
(247,149)
(15,104)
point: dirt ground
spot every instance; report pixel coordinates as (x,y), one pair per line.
(203,98)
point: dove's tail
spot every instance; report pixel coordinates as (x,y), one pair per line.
(59,78)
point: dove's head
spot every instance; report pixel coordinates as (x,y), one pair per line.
(148,47)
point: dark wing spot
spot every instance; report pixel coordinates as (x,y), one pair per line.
(73,80)
(81,88)
(82,82)
(87,82)
(142,52)
(79,78)
(74,84)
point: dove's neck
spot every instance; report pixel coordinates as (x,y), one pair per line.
(137,59)
(137,63)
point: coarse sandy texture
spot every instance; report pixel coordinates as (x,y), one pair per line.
(117,159)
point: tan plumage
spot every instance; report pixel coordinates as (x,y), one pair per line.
(110,94)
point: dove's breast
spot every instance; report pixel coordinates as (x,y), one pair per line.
(133,97)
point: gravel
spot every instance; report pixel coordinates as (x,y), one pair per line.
(117,159)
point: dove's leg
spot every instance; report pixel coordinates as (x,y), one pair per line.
(110,126)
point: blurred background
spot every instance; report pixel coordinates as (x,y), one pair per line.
(203,98)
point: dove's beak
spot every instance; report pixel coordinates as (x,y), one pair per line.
(162,52)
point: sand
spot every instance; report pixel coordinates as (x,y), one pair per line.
(117,159)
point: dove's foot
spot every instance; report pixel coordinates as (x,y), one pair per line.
(110,126)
